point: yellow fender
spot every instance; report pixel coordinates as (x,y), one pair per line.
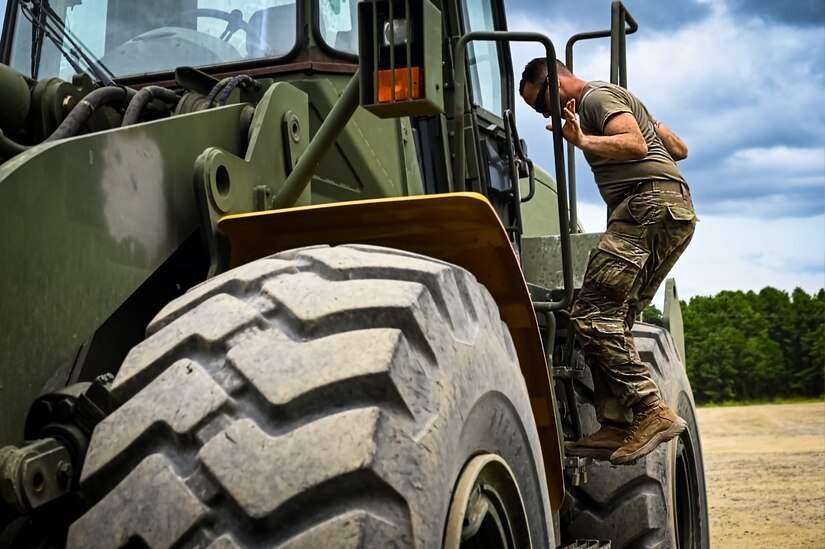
(460,228)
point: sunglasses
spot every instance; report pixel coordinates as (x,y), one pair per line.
(540,104)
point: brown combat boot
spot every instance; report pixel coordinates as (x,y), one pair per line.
(653,424)
(600,445)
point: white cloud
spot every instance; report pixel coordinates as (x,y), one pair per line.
(723,82)
(780,159)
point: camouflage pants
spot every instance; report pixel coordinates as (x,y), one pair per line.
(645,236)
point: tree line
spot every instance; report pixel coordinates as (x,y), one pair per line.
(755,346)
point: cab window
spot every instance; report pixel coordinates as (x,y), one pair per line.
(483,57)
(129,37)
(338,24)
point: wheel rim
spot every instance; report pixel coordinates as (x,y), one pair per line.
(686,510)
(487,510)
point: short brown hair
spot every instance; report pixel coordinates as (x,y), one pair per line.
(536,70)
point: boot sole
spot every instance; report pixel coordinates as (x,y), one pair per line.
(672,431)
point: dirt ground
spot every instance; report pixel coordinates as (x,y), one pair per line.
(765,473)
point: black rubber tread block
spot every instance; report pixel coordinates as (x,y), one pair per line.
(131,512)
(354,530)
(223,542)
(323,451)
(656,348)
(324,370)
(217,320)
(175,403)
(238,282)
(368,263)
(638,511)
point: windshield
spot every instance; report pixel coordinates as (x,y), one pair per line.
(129,37)
(338,24)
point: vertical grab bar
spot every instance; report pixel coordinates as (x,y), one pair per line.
(618,75)
(514,147)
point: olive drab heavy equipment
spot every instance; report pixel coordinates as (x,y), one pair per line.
(281,273)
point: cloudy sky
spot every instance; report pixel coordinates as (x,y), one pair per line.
(743,83)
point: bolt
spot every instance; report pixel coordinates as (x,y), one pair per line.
(105,378)
(65,407)
(64,473)
(68,104)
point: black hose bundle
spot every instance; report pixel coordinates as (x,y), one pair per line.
(216,89)
(71,125)
(143,97)
(219,93)
(241,80)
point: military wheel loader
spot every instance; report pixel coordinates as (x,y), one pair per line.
(281,273)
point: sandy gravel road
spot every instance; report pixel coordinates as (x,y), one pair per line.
(765,470)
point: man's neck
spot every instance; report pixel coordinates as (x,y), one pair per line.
(577,90)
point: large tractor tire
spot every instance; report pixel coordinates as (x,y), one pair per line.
(660,501)
(322,397)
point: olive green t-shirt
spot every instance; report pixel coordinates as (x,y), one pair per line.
(617,178)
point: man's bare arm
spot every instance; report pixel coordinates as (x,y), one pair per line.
(622,139)
(674,145)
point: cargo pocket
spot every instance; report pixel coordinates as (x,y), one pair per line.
(618,268)
(644,211)
(680,213)
(613,348)
(613,327)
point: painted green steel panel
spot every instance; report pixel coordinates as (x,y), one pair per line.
(372,158)
(540,214)
(86,221)
(541,259)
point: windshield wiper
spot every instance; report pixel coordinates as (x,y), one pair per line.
(46,24)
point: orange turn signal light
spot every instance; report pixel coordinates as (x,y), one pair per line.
(404,89)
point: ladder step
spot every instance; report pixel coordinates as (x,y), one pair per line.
(588,544)
(563,372)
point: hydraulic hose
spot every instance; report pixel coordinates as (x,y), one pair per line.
(142,98)
(241,80)
(71,124)
(213,93)
(85,109)
(9,148)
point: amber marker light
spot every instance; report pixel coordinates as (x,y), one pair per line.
(400,58)
(404,89)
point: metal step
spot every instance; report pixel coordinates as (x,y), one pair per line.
(588,544)
(577,468)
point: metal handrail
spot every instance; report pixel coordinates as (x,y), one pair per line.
(618,44)
(558,140)
(618,75)
(515,150)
